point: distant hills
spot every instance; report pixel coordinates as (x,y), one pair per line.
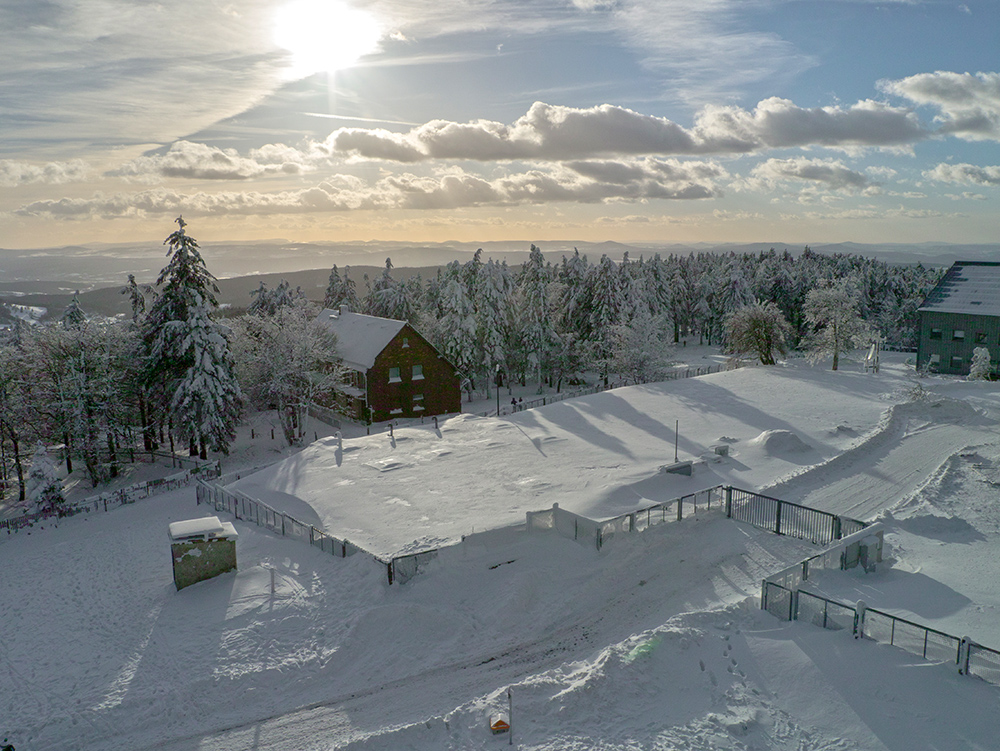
(48,277)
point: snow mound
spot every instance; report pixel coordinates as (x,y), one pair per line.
(779,443)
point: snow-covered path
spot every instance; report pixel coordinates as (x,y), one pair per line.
(907,450)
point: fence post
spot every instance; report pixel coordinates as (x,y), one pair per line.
(777,518)
(836,528)
(859,619)
(964,647)
(680,507)
(729,501)
(389,571)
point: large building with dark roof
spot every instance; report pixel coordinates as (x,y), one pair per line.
(960,314)
(392,370)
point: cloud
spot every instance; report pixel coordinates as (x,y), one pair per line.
(13,173)
(968,105)
(967,174)
(186,159)
(779,123)
(552,132)
(582,182)
(827,174)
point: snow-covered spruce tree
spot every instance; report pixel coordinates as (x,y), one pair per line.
(836,326)
(73,317)
(44,491)
(341,290)
(268,302)
(206,401)
(456,329)
(189,368)
(760,329)
(536,328)
(979,369)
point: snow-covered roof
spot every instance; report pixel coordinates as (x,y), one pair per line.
(206,528)
(360,338)
(969,287)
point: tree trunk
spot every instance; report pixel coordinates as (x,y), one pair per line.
(69,458)
(17,464)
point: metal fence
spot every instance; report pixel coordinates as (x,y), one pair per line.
(786,518)
(982,662)
(674,375)
(882,627)
(398,569)
(599,533)
(114,498)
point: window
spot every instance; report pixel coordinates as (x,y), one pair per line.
(956,363)
(418,405)
(958,335)
(406,341)
(394,375)
(935,333)
(418,397)
(935,359)
(980,337)
(418,372)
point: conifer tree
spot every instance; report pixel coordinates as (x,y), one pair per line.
(189,367)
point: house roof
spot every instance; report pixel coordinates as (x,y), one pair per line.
(360,338)
(969,287)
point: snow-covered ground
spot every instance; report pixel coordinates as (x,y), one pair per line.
(654,643)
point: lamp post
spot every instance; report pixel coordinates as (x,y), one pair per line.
(498,382)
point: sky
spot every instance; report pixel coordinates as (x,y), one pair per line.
(643,121)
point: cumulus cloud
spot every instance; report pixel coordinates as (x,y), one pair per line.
(968,104)
(581,182)
(964,174)
(551,132)
(779,123)
(199,161)
(827,174)
(13,173)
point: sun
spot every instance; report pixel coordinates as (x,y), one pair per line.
(324,35)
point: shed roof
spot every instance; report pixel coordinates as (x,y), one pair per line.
(360,338)
(968,287)
(206,528)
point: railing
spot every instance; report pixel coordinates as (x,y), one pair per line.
(599,533)
(879,626)
(114,498)
(674,375)
(786,518)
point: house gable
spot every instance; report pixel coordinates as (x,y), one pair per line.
(396,372)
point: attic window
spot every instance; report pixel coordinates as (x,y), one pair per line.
(958,335)
(418,372)
(935,334)
(394,375)
(406,341)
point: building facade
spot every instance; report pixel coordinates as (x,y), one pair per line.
(960,314)
(393,370)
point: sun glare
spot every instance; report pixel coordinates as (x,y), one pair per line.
(324,35)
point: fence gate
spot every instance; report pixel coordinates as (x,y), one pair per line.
(779,601)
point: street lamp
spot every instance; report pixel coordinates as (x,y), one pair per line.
(498,381)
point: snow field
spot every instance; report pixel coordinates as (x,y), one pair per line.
(655,642)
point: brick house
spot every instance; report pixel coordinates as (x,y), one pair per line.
(961,313)
(392,370)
